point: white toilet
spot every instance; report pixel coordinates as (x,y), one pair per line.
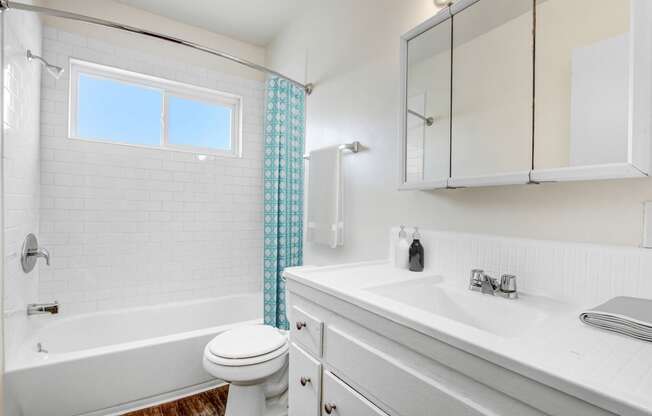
(254,359)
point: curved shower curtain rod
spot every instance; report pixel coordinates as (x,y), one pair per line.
(12,5)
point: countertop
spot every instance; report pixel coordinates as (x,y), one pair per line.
(560,352)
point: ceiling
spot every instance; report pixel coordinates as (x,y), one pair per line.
(252,21)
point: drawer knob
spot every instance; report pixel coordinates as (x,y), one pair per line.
(329,407)
(304,380)
(301,325)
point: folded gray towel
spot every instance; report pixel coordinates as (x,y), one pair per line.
(624,315)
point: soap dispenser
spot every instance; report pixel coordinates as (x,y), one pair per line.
(416,252)
(401,250)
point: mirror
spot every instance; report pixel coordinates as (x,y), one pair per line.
(582,83)
(497,92)
(492,91)
(427,107)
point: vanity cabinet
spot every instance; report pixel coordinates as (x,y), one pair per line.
(371,366)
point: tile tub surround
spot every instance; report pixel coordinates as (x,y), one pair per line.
(22,88)
(582,274)
(132,226)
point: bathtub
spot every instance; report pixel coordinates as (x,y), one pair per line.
(108,362)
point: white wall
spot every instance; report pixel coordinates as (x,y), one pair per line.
(114,11)
(21,95)
(351,51)
(130,226)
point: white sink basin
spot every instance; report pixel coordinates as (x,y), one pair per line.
(502,317)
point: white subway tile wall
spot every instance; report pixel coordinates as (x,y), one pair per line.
(130,226)
(21,95)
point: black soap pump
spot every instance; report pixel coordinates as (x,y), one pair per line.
(416,252)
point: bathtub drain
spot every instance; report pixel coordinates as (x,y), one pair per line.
(39,348)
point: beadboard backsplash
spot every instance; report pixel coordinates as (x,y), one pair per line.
(583,274)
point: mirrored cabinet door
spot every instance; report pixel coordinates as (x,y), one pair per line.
(427,107)
(585,53)
(492,93)
(498,92)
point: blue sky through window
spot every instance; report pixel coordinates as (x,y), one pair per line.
(198,124)
(116,111)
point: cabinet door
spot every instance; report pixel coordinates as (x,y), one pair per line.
(304,384)
(592,114)
(492,93)
(342,400)
(425,123)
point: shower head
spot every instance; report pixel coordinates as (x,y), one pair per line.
(54,70)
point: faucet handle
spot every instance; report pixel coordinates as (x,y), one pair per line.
(44,253)
(31,252)
(508,283)
(477,277)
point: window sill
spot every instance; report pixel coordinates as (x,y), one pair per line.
(178,149)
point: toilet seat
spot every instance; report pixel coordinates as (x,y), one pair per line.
(247,345)
(241,362)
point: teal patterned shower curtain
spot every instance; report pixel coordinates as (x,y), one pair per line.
(283,199)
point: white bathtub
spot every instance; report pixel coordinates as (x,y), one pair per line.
(103,363)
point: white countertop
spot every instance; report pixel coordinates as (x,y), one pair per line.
(560,352)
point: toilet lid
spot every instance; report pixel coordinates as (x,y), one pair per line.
(247,341)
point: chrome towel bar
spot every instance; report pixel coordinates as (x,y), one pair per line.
(354,147)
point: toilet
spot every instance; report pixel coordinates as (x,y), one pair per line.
(254,359)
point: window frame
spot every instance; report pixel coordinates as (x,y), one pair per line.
(167,88)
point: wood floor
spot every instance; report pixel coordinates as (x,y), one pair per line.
(208,403)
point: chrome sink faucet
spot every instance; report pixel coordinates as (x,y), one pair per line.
(482,282)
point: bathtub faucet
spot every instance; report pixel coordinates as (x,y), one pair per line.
(43,308)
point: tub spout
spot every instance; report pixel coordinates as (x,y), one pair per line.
(43,308)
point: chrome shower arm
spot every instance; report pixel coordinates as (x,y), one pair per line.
(56,71)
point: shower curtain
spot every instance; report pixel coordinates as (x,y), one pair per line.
(283,195)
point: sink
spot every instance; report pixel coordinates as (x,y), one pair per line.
(502,317)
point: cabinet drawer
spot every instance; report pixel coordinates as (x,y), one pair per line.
(342,400)
(391,384)
(307,331)
(304,383)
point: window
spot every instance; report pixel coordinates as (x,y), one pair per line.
(117,106)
